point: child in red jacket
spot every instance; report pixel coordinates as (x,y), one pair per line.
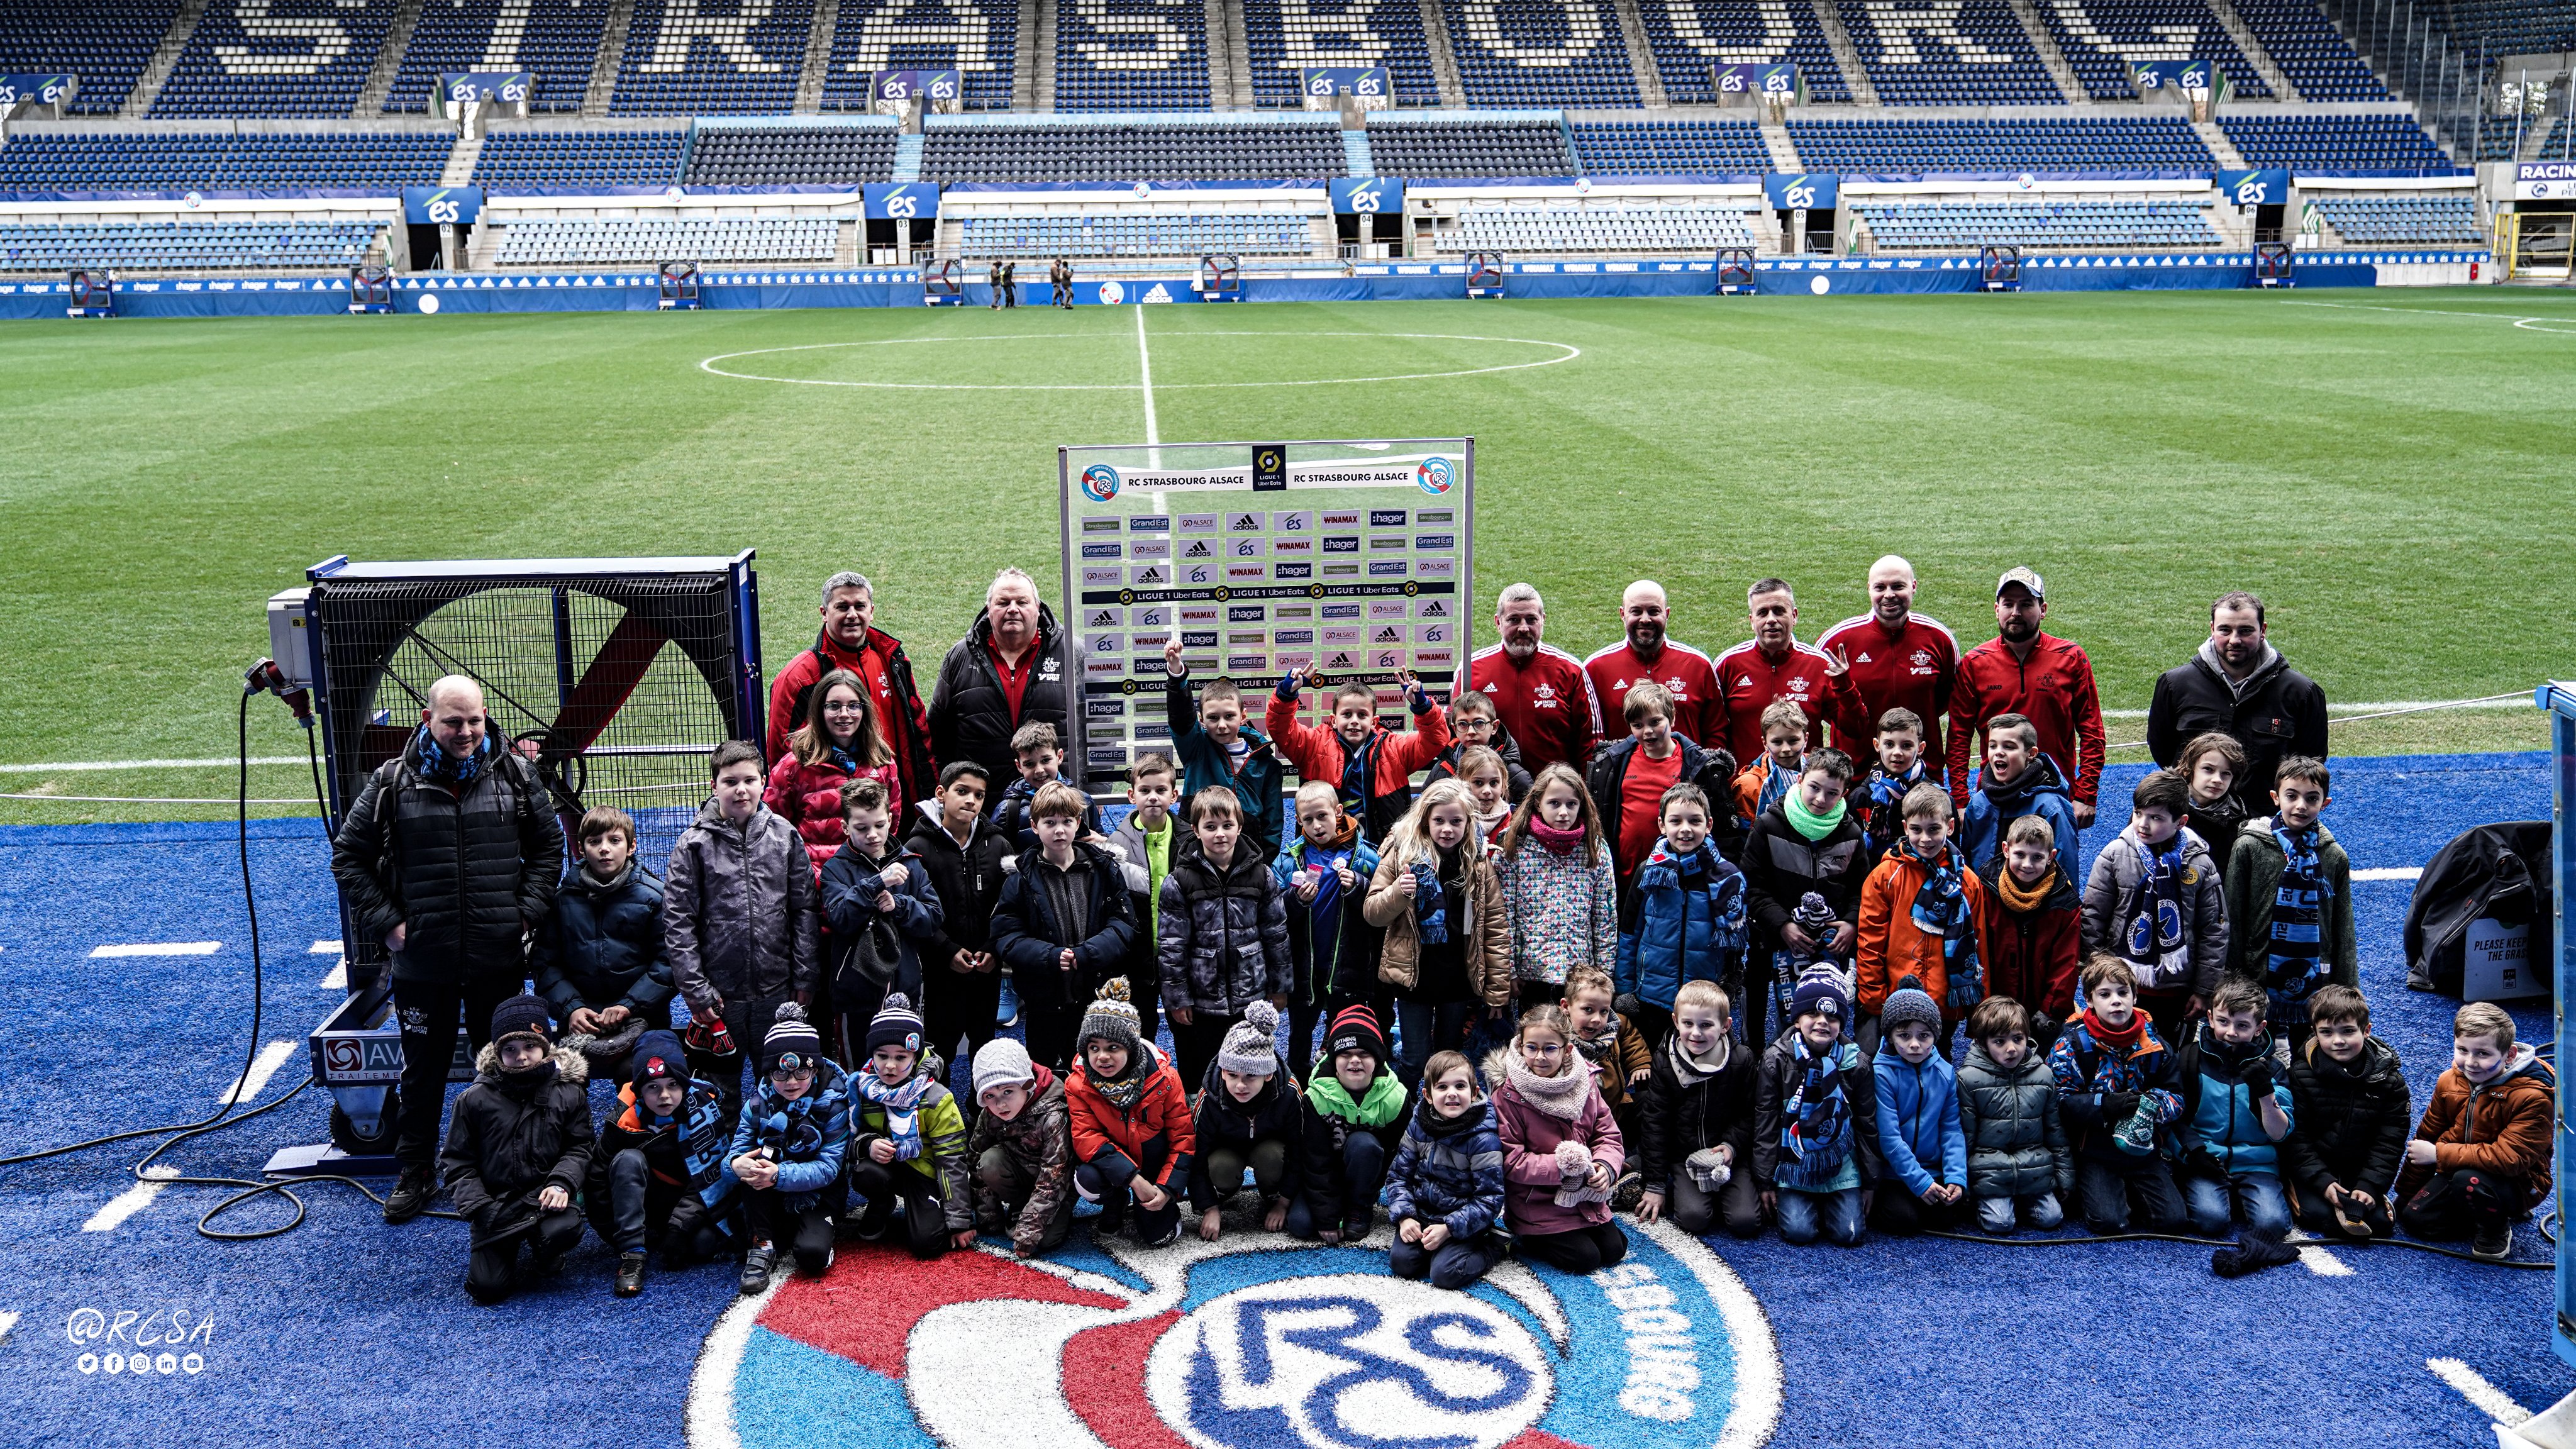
(2480,1159)
(1369,764)
(1130,1120)
(2032,920)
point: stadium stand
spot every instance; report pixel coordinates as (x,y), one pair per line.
(1688,37)
(1479,148)
(689,57)
(2100,37)
(1954,53)
(979,39)
(563,160)
(2404,220)
(246,59)
(2076,143)
(107,43)
(538,243)
(1540,53)
(2310,51)
(1141,55)
(160,161)
(1283,37)
(790,156)
(183,246)
(1698,229)
(1670,148)
(2507,27)
(2386,142)
(557,40)
(1950,226)
(1244,234)
(1109,150)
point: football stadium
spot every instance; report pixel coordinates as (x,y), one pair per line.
(1776,722)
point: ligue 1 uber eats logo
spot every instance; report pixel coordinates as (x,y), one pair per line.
(1246,1343)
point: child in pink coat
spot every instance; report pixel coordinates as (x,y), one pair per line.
(1561,1150)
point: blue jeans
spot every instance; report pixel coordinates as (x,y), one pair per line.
(1423,1028)
(1804,1216)
(1363,1176)
(2207,1204)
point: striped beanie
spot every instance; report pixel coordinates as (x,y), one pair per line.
(790,1033)
(1355,1028)
(896,1024)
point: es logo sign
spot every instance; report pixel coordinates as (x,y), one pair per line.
(1251,1342)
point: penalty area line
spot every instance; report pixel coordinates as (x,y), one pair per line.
(2485,1397)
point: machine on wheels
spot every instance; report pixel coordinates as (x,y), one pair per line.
(1999,267)
(371,290)
(2275,265)
(93,293)
(1484,274)
(1220,278)
(1735,272)
(943,284)
(679,282)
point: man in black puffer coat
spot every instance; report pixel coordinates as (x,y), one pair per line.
(1015,666)
(450,855)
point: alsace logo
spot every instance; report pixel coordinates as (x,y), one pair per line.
(1100,481)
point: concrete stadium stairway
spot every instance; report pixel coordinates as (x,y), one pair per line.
(818,58)
(380,76)
(612,46)
(156,72)
(2069,84)
(1641,54)
(1856,79)
(1444,59)
(2252,46)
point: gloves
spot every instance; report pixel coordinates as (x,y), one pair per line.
(2137,1134)
(2117,1106)
(2258,1080)
(1288,686)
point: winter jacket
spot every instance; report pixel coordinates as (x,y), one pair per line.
(2032,957)
(970,714)
(2219,1132)
(1919,1129)
(1711,770)
(601,944)
(2099,1087)
(1781,865)
(2113,898)
(2352,1121)
(1010,812)
(739,910)
(942,1125)
(2053,687)
(1992,809)
(689,1186)
(1614,1059)
(1677,1117)
(1328,1133)
(1448,1172)
(1484,940)
(967,879)
(466,875)
(1038,1142)
(1275,1114)
(809,798)
(1028,937)
(900,716)
(1346,966)
(1778,1077)
(1124,1138)
(1563,910)
(1892,947)
(1672,932)
(505,1146)
(1530,1138)
(2253,887)
(1318,752)
(2277,711)
(1223,935)
(2015,1136)
(2505,1127)
(879,947)
(1516,781)
(1204,764)
(810,1175)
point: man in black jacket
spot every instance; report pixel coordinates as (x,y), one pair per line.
(2239,685)
(1015,666)
(450,855)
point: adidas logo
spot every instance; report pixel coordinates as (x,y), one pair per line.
(1197,549)
(1247,523)
(1104,618)
(1390,635)
(1338,661)
(1864,659)
(1435,610)
(1150,576)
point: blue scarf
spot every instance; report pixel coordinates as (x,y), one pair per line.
(787,1128)
(1815,1123)
(2296,964)
(902,1105)
(844,761)
(441,768)
(2154,940)
(1429,916)
(1775,784)
(1881,829)
(1941,909)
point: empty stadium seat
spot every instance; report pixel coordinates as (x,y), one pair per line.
(1671,148)
(555,40)
(2100,37)
(1948,53)
(979,39)
(168,246)
(163,161)
(710,58)
(2404,220)
(2055,225)
(277,58)
(1690,36)
(1139,152)
(1336,33)
(790,156)
(2387,142)
(2310,51)
(1540,53)
(561,160)
(1136,235)
(2085,143)
(2506,27)
(1695,228)
(106,43)
(1131,55)
(589,242)
(1398,147)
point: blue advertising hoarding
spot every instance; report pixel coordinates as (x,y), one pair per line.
(1812,192)
(510,87)
(442,205)
(43,90)
(901,200)
(1372,84)
(933,86)
(1778,80)
(2252,188)
(1367,195)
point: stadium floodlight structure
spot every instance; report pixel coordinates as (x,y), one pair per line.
(1484,275)
(615,676)
(1735,272)
(371,290)
(1999,267)
(679,282)
(2275,265)
(92,291)
(943,284)
(1220,278)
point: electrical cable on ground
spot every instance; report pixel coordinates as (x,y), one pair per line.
(2229,1243)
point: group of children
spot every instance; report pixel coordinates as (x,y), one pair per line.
(1660,986)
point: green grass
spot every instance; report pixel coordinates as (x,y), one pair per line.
(2395,483)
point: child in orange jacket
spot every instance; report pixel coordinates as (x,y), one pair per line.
(1922,914)
(2479,1161)
(1369,764)
(1130,1119)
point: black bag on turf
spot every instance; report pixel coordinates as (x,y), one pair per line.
(2499,872)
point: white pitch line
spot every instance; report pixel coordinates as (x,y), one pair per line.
(2314,1257)
(264,1066)
(1145,369)
(326,948)
(64,767)
(112,1214)
(160,948)
(2390,872)
(2489,1400)
(338,979)
(7,1321)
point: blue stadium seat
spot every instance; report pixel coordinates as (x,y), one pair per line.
(104,42)
(2077,143)
(1540,53)
(2506,27)
(567,160)
(712,57)
(1399,146)
(2385,142)
(1671,148)
(556,40)
(2310,51)
(1691,36)
(979,39)
(2449,220)
(1130,234)
(277,58)
(1970,52)
(642,242)
(196,246)
(1140,151)
(1698,228)
(2100,37)
(254,162)
(1131,55)
(790,156)
(2038,225)
(1336,33)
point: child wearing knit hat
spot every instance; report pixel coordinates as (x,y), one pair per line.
(518,1148)
(1353,1119)
(1247,1118)
(657,1178)
(911,1138)
(1130,1116)
(1919,1131)
(787,1150)
(1022,1149)
(1815,1121)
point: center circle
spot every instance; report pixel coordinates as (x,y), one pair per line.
(1041,362)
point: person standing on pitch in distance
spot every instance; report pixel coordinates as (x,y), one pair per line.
(1060,280)
(1650,655)
(2240,686)
(1542,694)
(1015,666)
(1773,666)
(849,639)
(450,855)
(2046,679)
(1897,658)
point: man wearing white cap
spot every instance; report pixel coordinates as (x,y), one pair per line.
(2026,672)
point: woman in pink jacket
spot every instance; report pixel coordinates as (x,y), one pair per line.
(1561,1150)
(838,741)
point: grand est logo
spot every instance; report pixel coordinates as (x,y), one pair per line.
(1251,1342)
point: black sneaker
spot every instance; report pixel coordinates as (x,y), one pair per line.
(630,1273)
(2494,1242)
(1627,1192)
(871,1226)
(755,1268)
(411,1195)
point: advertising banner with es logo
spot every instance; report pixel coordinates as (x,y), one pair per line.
(506,86)
(1372,85)
(901,200)
(2253,188)
(442,205)
(1368,196)
(42,90)
(1800,193)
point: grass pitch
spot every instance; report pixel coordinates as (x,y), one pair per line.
(2389,469)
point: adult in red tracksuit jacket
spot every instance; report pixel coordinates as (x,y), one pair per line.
(878,658)
(2053,685)
(1545,702)
(1914,667)
(1318,752)
(1749,679)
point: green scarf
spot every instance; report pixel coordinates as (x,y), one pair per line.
(1808,823)
(1383,1104)
(1158,864)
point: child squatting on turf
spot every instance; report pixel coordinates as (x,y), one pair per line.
(2020,1172)
(909,1144)
(1695,1121)
(518,1148)
(2235,1111)
(1132,1138)
(1022,1149)
(2479,1161)
(1445,1190)
(1815,1122)
(657,1179)
(1249,1115)
(788,1148)
(1355,1114)
(1561,1148)
(1613,1050)
(2116,1094)
(2349,1097)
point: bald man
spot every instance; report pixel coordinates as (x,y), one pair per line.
(1649,652)
(1898,659)
(449,856)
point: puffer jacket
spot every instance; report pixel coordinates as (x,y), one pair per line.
(1028,937)
(1780,865)
(810,1165)
(1039,1142)
(898,702)
(2009,1119)
(1919,1132)
(1677,1117)
(1224,935)
(739,910)
(2220,1130)
(2033,957)
(1992,809)
(1892,947)
(809,798)
(1318,752)
(2112,901)
(601,944)
(1563,907)
(1347,967)
(1275,1114)
(1448,1172)
(967,879)
(970,715)
(867,941)
(1779,1078)
(2254,887)
(466,875)
(2098,1086)
(942,1125)
(1672,932)
(688,1186)
(1530,1138)
(504,1146)
(2505,1127)
(2352,1121)
(1104,1132)
(1485,943)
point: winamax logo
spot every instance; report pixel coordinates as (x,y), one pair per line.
(1251,1342)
